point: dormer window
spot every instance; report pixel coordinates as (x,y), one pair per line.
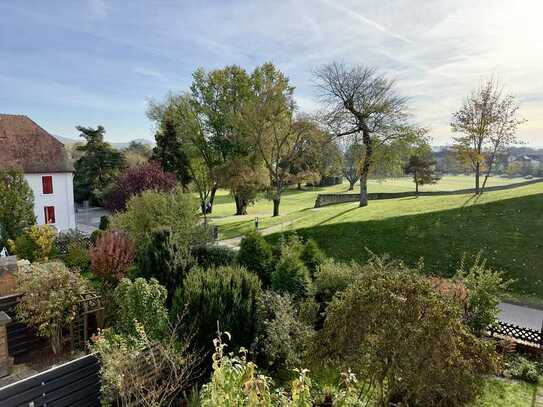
(47,184)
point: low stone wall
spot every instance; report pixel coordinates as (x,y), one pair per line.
(331,199)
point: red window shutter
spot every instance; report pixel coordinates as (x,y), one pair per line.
(47,183)
(49,212)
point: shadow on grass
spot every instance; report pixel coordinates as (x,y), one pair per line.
(509,232)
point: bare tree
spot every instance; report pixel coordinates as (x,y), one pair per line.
(488,122)
(360,101)
(504,131)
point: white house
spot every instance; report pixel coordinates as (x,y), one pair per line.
(47,169)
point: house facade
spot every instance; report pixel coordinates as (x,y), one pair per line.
(44,161)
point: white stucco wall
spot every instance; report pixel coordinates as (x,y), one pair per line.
(62,199)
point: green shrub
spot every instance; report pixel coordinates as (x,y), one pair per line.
(333,277)
(312,256)
(77,257)
(255,254)
(163,258)
(521,368)
(24,247)
(142,301)
(208,256)
(104,222)
(151,210)
(393,325)
(486,289)
(225,294)
(291,276)
(285,336)
(51,294)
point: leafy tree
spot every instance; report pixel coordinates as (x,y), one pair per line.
(170,152)
(16,205)
(112,257)
(142,302)
(407,339)
(255,254)
(421,167)
(278,134)
(166,259)
(225,295)
(359,101)
(219,98)
(137,153)
(487,122)
(135,180)
(97,167)
(51,294)
(202,159)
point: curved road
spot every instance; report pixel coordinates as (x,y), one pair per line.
(522,316)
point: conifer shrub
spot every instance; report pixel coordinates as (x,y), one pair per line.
(291,276)
(255,254)
(226,294)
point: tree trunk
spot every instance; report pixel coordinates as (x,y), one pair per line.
(212,198)
(276,202)
(365,169)
(416,187)
(477,176)
(241,205)
(490,164)
(363,191)
(299,186)
(351,185)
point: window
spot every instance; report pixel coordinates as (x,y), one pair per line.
(49,212)
(47,183)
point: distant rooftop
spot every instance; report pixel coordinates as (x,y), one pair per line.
(27,146)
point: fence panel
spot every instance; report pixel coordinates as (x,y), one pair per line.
(76,383)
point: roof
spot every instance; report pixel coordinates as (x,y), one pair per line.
(28,147)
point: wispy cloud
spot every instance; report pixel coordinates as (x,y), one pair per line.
(98,8)
(147,72)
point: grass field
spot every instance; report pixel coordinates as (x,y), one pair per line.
(506,225)
(507,393)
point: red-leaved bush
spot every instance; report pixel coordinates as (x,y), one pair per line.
(112,256)
(137,179)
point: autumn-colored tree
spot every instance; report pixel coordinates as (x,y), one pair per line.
(134,180)
(487,123)
(112,256)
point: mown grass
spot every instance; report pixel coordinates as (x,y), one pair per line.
(507,393)
(295,203)
(507,226)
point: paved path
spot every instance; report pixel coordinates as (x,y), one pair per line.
(88,219)
(520,315)
(235,241)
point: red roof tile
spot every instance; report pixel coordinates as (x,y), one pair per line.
(25,145)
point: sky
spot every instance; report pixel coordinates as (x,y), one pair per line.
(90,62)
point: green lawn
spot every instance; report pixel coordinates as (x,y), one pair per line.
(507,393)
(506,225)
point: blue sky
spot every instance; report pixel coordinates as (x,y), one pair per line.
(92,62)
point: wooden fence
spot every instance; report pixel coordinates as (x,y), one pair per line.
(21,338)
(527,336)
(76,383)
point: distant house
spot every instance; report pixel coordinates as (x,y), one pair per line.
(47,169)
